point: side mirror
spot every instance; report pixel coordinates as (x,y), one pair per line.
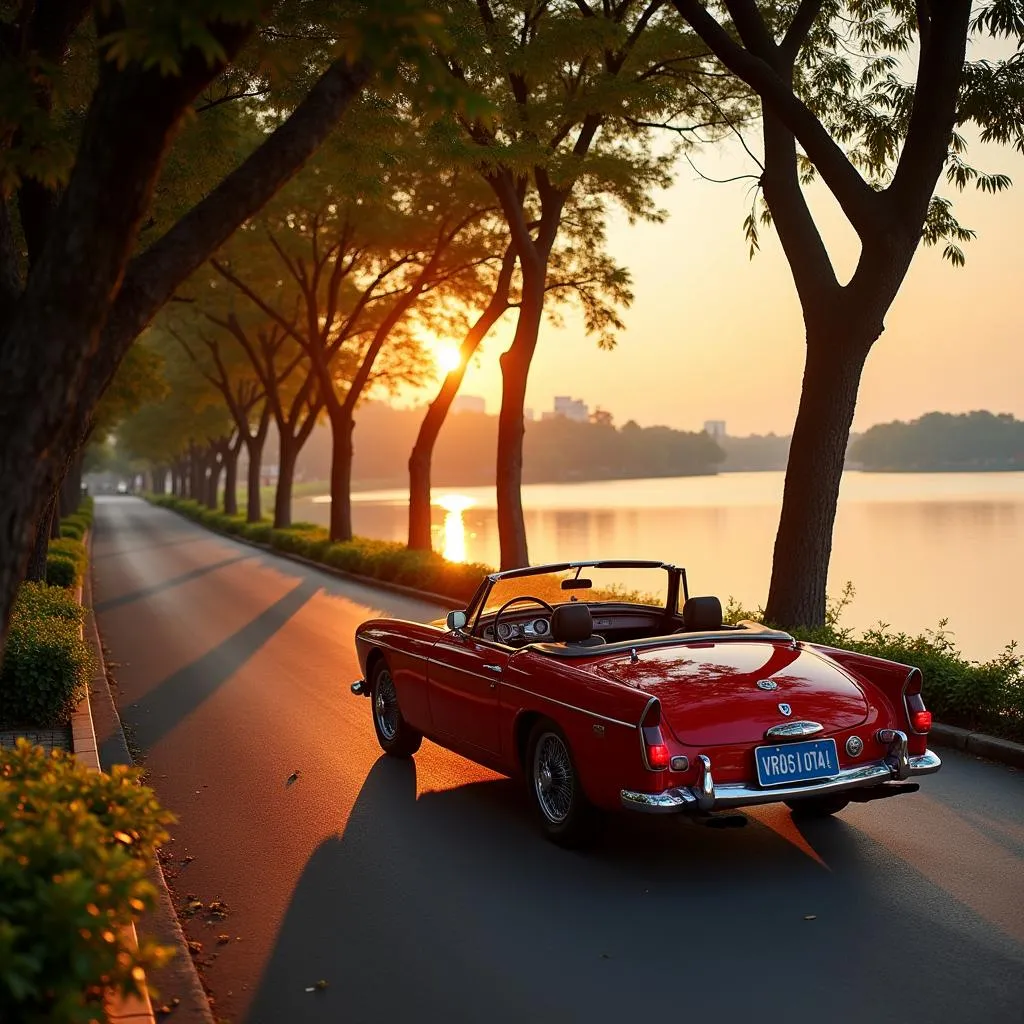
(456,621)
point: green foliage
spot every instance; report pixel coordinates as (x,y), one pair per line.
(943,441)
(74,530)
(61,571)
(40,600)
(75,851)
(71,549)
(46,663)
(985,696)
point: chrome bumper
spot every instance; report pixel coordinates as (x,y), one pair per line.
(708,796)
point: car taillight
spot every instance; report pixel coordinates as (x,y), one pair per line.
(655,750)
(919,716)
(921,721)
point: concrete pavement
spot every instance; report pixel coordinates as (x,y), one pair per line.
(423,891)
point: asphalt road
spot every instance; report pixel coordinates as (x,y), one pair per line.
(422,892)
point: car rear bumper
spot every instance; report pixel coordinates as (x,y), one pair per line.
(708,796)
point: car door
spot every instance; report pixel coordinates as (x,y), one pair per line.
(463,684)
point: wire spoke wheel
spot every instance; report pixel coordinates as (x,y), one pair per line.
(554,781)
(385,705)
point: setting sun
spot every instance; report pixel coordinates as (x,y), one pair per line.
(447,357)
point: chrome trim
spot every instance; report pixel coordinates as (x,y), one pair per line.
(705,788)
(854,746)
(360,689)
(767,684)
(505,685)
(633,656)
(640,735)
(680,763)
(793,730)
(707,796)
(897,757)
(492,668)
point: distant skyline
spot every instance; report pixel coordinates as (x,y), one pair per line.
(713,335)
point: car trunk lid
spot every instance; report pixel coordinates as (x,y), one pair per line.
(730,692)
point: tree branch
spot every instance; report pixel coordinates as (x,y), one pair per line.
(853,194)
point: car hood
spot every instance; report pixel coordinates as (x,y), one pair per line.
(710,693)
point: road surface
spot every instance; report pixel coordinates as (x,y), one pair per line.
(421,891)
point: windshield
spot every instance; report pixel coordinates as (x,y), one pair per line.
(590,584)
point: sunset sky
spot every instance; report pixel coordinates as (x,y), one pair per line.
(713,335)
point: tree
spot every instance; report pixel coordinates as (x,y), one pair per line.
(572,89)
(834,106)
(71,308)
(580,273)
(355,255)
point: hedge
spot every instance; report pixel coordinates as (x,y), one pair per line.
(46,663)
(986,696)
(981,696)
(75,852)
(387,561)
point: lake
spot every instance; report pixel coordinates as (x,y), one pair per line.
(918,547)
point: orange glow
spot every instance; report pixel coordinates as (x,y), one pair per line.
(454,505)
(447,357)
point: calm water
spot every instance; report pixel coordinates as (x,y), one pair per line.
(918,547)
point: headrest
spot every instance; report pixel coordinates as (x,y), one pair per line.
(701,614)
(571,622)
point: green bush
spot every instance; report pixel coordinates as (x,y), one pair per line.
(61,571)
(71,549)
(74,530)
(46,663)
(38,600)
(75,851)
(258,532)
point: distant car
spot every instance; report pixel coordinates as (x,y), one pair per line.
(606,686)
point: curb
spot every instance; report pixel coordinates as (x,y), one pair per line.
(83,744)
(163,918)
(991,747)
(978,743)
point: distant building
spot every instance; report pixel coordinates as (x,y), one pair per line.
(469,403)
(570,408)
(715,429)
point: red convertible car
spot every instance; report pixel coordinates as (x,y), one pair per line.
(606,686)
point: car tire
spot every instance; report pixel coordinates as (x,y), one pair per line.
(394,734)
(566,816)
(817,806)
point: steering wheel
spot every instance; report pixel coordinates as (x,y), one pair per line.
(516,600)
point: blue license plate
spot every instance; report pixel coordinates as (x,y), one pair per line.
(796,762)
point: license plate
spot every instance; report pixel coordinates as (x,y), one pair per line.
(796,762)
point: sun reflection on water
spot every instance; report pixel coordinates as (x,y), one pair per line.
(454,546)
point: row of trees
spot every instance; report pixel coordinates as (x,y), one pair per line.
(463,153)
(942,441)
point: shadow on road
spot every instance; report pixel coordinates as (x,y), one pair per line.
(449,907)
(163,707)
(174,581)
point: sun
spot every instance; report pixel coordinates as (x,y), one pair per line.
(447,357)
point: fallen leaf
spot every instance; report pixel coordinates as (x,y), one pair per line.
(321,985)
(291,778)
(222,938)
(195,948)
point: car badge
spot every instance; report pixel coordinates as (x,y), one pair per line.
(786,709)
(767,684)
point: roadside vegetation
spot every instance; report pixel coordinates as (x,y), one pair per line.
(75,853)
(45,663)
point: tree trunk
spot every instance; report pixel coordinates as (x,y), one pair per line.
(214,465)
(37,560)
(231,478)
(515,370)
(254,446)
(342,426)
(197,474)
(159,474)
(835,360)
(289,452)
(71,488)
(422,456)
